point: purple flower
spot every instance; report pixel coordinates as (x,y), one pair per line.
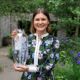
(78,62)
(71,51)
(78,55)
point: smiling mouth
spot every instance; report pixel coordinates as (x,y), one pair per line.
(41,25)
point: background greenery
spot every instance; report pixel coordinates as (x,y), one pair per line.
(68,67)
(68,11)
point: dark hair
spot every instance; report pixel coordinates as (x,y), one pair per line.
(40,10)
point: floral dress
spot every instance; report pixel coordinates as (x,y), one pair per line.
(48,52)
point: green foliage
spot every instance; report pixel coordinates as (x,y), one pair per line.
(5,7)
(10,55)
(63,72)
(8,6)
(1,69)
(68,67)
(68,11)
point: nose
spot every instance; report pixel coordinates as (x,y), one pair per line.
(40,21)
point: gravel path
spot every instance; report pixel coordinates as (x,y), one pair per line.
(8,72)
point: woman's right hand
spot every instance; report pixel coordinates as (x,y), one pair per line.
(20,67)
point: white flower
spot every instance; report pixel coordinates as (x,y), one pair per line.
(31,35)
(49,66)
(52,55)
(34,42)
(29,45)
(48,50)
(45,52)
(57,44)
(32,55)
(40,56)
(25,73)
(57,55)
(29,77)
(48,42)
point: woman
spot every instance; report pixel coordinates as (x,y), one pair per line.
(42,49)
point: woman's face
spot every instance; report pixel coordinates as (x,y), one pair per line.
(40,22)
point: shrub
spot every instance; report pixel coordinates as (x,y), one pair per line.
(10,53)
(1,68)
(68,66)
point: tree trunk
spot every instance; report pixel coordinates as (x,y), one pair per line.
(76,31)
(61,33)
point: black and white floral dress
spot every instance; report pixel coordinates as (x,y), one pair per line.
(47,55)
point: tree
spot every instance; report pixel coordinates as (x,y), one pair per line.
(68,12)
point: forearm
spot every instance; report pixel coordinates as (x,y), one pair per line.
(27,68)
(33,68)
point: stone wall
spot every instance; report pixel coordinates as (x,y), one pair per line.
(0,36)
(7,24)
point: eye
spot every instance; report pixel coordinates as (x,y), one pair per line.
(37,19)
(43,19)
